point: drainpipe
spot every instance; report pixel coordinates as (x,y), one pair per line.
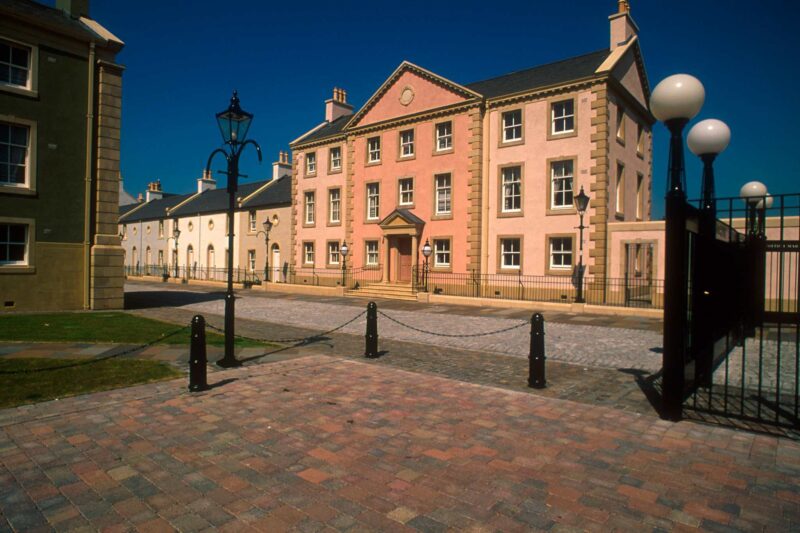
(87,208)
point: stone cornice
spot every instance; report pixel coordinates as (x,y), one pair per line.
(417,117)
(545,92)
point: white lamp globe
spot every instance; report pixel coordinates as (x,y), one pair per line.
(678,96)
(710,136)
(753,191)
(765,202)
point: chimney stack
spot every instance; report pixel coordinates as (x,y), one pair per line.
(337,106)
(282,167)
(74,8)
(623,28)
(140,199)
(206,183)
(154,191)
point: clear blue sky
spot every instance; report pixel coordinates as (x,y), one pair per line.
(184,58)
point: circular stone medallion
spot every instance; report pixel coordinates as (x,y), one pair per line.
(406,95)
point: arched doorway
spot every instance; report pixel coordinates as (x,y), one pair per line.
(210,262)
(148,260)
(275,264)
(190,261)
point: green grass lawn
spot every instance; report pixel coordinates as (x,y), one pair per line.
(33,383)
(101,328)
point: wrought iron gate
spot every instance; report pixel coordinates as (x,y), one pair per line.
(731,339)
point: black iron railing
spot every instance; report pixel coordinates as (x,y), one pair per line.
(240,275)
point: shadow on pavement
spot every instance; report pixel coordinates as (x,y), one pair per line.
(150,299)
(222,383)
(647,384)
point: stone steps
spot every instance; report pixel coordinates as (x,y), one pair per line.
(384,290)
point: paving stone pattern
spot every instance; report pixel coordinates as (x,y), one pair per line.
(572,342)
(328,444)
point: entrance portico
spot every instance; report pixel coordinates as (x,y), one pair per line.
(401,232)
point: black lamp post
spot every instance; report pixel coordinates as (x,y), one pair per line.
(267,227)
(344,250)
(233,125)
(426,252)
(581,203)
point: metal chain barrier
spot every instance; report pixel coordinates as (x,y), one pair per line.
(97,359)
(295,340)
(462,335)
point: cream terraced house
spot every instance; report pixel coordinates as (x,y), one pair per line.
(147,230)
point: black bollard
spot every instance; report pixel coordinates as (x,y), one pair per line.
(197,355)
(371,349)
(536,357)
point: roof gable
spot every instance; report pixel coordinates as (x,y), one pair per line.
(410,90)
(401,218)
(626,65)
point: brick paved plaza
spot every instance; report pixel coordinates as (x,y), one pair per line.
(429,437)
(320,443)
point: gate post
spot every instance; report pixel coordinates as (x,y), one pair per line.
(197,356)
(675,305)
(371,347)
(536,357)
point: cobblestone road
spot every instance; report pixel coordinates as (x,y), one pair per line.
(597,346)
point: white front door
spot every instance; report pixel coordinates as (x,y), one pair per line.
(277,271)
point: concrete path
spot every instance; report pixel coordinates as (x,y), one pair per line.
(327,444)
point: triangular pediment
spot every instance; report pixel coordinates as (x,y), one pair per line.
(401,218)
(625,64)
(408,91)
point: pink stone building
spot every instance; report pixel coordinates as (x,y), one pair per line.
(485,172)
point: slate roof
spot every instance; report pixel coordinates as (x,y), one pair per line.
(279,193)
(328,130)
(214,200)
(127,207)
(563,71)
(154,209)
(53,18)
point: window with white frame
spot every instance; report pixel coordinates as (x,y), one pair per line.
(561,175)
(311,163)
(308,253)
(251,260)
(512,125)
(333,253)
(308,208)
(511,189)
(620,188)
(374,150)
(444,136)
(334,206)
(406,192)
(371,253)
(563,116)
(443,194)
(251,221)
(13,244)
(510,253)
(161,258)
(373,200)
(161,229)
(335,158)
(15,64)
(441,252)
(560,252)
(14,154)
(639,196)
(407,143)
(620,124)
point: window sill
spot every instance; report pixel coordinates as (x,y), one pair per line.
(314,175)
(561,211)
(17,269)
(448,216)
(372,163)
(441,268)
(619,216)
(620,141)
(335,171)
(510,270)
(19,191)
(510,214)
(372,221)
(22,91)
(371,267)
(562,135)
(309,225)
(407,158)
(334,224)
(639,154)
(559,271)
(516,142)
(443,152)
(406,206)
